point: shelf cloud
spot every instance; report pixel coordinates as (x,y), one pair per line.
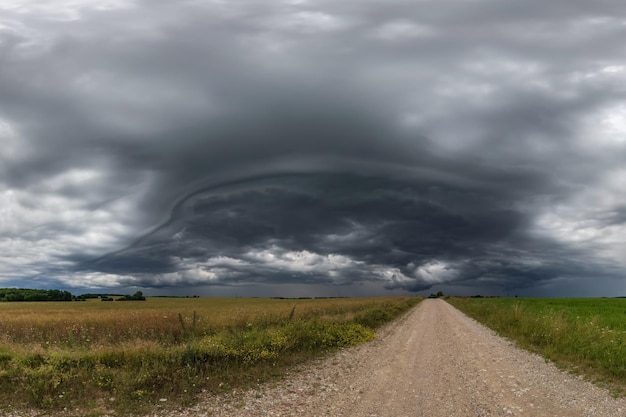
(309,147)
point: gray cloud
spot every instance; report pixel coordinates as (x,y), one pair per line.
(396,144)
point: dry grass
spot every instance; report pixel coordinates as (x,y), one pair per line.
(56,354)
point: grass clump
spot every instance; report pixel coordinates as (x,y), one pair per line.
(126,359)
(582,335)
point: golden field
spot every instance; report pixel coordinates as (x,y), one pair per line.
(127,355)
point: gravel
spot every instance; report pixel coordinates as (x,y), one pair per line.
(434,361)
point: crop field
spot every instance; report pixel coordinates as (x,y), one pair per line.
(130,356)
(585,336)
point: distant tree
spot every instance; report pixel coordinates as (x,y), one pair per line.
(138,296)
(89,295)
(27,294)
(13,296)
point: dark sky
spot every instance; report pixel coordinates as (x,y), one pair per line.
(304,147)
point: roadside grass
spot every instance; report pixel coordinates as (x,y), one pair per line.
(132,357)
(584,336)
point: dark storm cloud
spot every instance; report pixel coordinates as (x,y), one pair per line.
(387,227)
(407,144)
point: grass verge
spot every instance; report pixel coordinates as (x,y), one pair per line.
(161,363)
(585,336)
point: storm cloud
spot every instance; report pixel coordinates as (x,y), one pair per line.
(397,146)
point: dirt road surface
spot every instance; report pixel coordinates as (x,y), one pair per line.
(435,361)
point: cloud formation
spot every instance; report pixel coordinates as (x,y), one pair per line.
(399,146)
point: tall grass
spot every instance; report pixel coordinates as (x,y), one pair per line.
(582,335)
(128,356)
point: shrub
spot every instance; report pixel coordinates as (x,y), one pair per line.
(139,353)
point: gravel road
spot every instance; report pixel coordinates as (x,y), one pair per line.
(434,361)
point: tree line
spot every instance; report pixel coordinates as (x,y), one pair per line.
(24,294)
(27,294)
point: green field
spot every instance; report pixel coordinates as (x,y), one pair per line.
(585,336)
(126,357)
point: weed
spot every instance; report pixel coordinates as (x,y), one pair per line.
(57,355)
(583,335)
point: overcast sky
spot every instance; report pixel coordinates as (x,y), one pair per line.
(314,147)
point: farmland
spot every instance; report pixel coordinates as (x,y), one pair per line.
(586,336)
(130,356)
